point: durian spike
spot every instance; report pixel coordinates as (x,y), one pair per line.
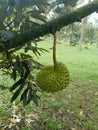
(54,49)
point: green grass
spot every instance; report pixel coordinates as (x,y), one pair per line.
(82,64)
(75,108)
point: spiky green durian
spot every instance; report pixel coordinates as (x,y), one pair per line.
(53,78)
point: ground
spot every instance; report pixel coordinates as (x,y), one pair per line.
(74,108)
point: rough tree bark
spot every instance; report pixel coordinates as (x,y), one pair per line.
(56,24)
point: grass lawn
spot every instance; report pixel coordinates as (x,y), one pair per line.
(75,108)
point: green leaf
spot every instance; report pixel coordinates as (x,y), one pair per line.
(14,86)
(21,69)
(14,74)
(35,98)
(24,97)
(29,95)
(16,94)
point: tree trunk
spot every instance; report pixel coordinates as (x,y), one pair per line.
(84,22)
(82,35)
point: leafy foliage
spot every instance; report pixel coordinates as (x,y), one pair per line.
(63,6)
(67,2)
(20,68)
(21,13)
(18,17)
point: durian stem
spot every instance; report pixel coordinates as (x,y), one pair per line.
(54,49)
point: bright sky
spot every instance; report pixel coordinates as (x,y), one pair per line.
(94,16)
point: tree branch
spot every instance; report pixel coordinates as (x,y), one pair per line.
(56,24)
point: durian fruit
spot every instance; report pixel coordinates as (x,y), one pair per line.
(53,78)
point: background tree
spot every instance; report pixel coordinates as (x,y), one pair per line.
(62,7)
(84,23)
(90,32)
